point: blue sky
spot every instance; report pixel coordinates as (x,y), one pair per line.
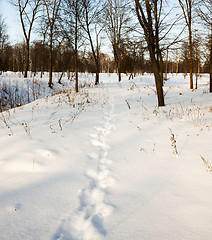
(11,18)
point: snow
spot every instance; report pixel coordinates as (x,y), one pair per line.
(107,163)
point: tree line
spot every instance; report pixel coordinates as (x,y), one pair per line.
(155,36)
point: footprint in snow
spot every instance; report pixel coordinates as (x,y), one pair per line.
(88,221)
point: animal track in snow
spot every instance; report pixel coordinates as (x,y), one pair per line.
(88,221)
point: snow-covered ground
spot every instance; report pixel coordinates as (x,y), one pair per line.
(107,163)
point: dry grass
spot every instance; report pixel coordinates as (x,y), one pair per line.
(207,164)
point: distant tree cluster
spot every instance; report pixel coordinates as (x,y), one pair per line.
(143,36)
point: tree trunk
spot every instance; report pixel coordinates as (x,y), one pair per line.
(50,59)
(159,86)
(167,58)
(119,70)
(76,72)
(97,70)
(191,57)
(161,66)
(26,60)
(76,47)
(60,78)
(42,66)
(76,64)
(76,80)
(41,72)
(97,79)
(177,62)
(119,76)
(158,80)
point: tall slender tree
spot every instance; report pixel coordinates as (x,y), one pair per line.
(52,11)
(187,8)
(73,11)
(28,12)
(90,23)
(204,10)
(149,13)
(116,18)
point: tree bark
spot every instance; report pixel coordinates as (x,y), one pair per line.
(97,73)
(158,79)
(76,48)
(26,59)
(119,72)
(117,61)
(191,58)
(50,59)
(76,74)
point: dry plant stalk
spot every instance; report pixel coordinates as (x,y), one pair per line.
(196,116)
(128,104)
(27,130)
(174,142)
(207,164)
(134,87)
(5,121)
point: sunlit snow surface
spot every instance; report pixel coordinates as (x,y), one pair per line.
(107,163)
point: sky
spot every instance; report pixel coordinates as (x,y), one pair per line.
(11,18)
(12,21)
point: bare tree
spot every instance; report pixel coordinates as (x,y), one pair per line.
(42,29)
(187,8)
(204,10)
(73,11)
(116,18)
(90,23)
(76,17)
(52,10)
(28,12)
(149,13)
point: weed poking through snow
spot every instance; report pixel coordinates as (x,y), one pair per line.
(27,130)
(173,142)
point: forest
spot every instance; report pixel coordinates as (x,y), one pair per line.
(110,36)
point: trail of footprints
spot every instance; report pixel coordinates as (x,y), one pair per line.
(88,221)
